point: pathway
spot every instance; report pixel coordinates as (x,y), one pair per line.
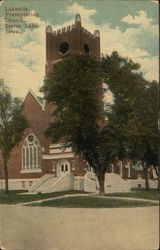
(86,195)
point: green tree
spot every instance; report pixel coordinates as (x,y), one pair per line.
(75,88)
(133,116)
(147,133)
(12,126)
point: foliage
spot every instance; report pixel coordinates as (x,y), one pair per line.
(130,131)
(12,124)
(134,113)
(21,196)
(75,88)
(72,87)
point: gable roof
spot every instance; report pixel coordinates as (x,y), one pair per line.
(39,99)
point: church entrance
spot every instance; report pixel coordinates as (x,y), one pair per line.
(63,167)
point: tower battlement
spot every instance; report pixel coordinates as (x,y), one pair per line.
(73,39)
(69,29)
(60,31)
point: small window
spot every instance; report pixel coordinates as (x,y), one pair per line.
(66,167)
(62,167)
(23,184)
(86,49)
(64,47)
(139,185)
(30,183)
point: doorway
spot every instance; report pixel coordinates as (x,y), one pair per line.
(63,167)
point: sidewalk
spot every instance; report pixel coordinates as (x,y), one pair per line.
(93,195)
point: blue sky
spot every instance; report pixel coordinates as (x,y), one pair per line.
(130,27)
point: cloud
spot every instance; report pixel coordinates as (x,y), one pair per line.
(140,19)
(77,8)
(108,96)
(1,2)
(150,68)
(22,63)
(130,44)
(155,1)
(23,58)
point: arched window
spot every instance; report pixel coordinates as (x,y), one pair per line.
(88,167)
(63,167)
(31,154)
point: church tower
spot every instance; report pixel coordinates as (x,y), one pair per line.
(73,39)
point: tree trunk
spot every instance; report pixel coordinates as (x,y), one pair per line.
(156,168)
(6,176)
(146,178)
(101,180)
(158,184)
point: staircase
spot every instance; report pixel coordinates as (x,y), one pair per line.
(43,181)
(49,183)
(44,188)
(113,183)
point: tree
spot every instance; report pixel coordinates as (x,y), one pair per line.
(134,113)
(148,136)
(12,126)
(75,88)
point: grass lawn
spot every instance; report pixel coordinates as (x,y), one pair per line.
(92,202)
(15,197)
(142,194)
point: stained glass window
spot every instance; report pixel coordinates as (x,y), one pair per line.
(31,153)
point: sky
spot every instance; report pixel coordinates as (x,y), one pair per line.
(129,27)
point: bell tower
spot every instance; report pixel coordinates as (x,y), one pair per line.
(73,39)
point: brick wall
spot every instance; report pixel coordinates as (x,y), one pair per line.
(76,37)
(39,120)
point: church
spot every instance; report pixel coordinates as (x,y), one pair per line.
(39,165)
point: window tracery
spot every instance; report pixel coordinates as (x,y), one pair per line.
(31,154)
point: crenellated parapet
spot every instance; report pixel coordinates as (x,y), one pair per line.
(69,29)
(60,31)
(73,39)
(94,35)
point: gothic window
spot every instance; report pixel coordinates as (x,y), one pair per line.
(31,154)
(63,167)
